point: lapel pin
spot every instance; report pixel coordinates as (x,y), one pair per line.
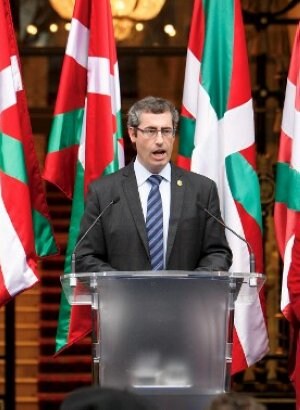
(179,182)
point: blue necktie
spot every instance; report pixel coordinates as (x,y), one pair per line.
(154,224)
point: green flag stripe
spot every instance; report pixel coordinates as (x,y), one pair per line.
(115,163)
(112,167)
(76,215)
(64,323)
(77,212)
(119,125)
(238,171)
(12,159)
(186,140)
(288,186)
(44,241)
(66,130)
(217,53)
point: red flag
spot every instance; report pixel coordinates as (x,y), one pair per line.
(85,140)
(287,208)
(25,232)
(217,140)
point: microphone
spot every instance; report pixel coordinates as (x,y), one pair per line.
(112,202)
(251,253)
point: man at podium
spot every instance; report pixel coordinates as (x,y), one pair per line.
(151,214)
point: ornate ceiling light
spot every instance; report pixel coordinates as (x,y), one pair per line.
(125,13)
(63,7)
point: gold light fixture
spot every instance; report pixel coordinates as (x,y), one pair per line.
(126,13)
(63,7)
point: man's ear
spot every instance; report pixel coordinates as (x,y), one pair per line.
(132,134)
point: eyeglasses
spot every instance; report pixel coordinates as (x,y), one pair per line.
(151,132)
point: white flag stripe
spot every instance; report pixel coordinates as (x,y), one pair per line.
(99,77)
(240,251)
(121,155)
(15,69)
(295,157)
(288,114)
(240,262)
(285,298)
(117,91)
(207,142)
(251,331)
(81,149)
(237,136)
(214,141)
(218,139)
(100,81)
(209,150)
(7,89)
(291,123)
(18,275)
(192,77)
(241,258)
(206,119)
(77,46)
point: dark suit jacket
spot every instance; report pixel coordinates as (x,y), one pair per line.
(119,240)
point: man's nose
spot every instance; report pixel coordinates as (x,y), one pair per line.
(159,137)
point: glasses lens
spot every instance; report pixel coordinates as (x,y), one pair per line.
(150,132)
(153,132)
(167,132)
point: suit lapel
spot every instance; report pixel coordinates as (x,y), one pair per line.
(177,196)
(134,204)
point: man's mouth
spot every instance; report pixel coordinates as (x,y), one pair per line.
(159,152)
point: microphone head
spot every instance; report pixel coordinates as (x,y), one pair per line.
(116,199)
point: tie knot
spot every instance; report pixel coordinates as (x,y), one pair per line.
(155,180)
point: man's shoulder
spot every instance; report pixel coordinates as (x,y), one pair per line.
(192,176)
(108,179)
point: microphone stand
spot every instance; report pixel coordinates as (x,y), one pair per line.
(73,256)
(251,253)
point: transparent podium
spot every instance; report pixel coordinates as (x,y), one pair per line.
(165,335)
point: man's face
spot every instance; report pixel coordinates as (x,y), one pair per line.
(154,152)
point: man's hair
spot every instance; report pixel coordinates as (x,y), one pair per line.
(97,398)
(154,105)
(235,401)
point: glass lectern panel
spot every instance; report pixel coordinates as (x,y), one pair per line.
(163,333)
(78,287)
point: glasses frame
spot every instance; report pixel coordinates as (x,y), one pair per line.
(144,131)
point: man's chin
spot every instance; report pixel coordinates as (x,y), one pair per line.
(156,166)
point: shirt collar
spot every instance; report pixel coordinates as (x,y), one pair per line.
(142,174)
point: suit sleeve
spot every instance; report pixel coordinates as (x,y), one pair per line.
(216,252)
(91,252)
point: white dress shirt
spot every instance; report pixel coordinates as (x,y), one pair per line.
(144,186)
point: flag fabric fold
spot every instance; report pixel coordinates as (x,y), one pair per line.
(26,232)
(86,139)
(216,139)
(287,208)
